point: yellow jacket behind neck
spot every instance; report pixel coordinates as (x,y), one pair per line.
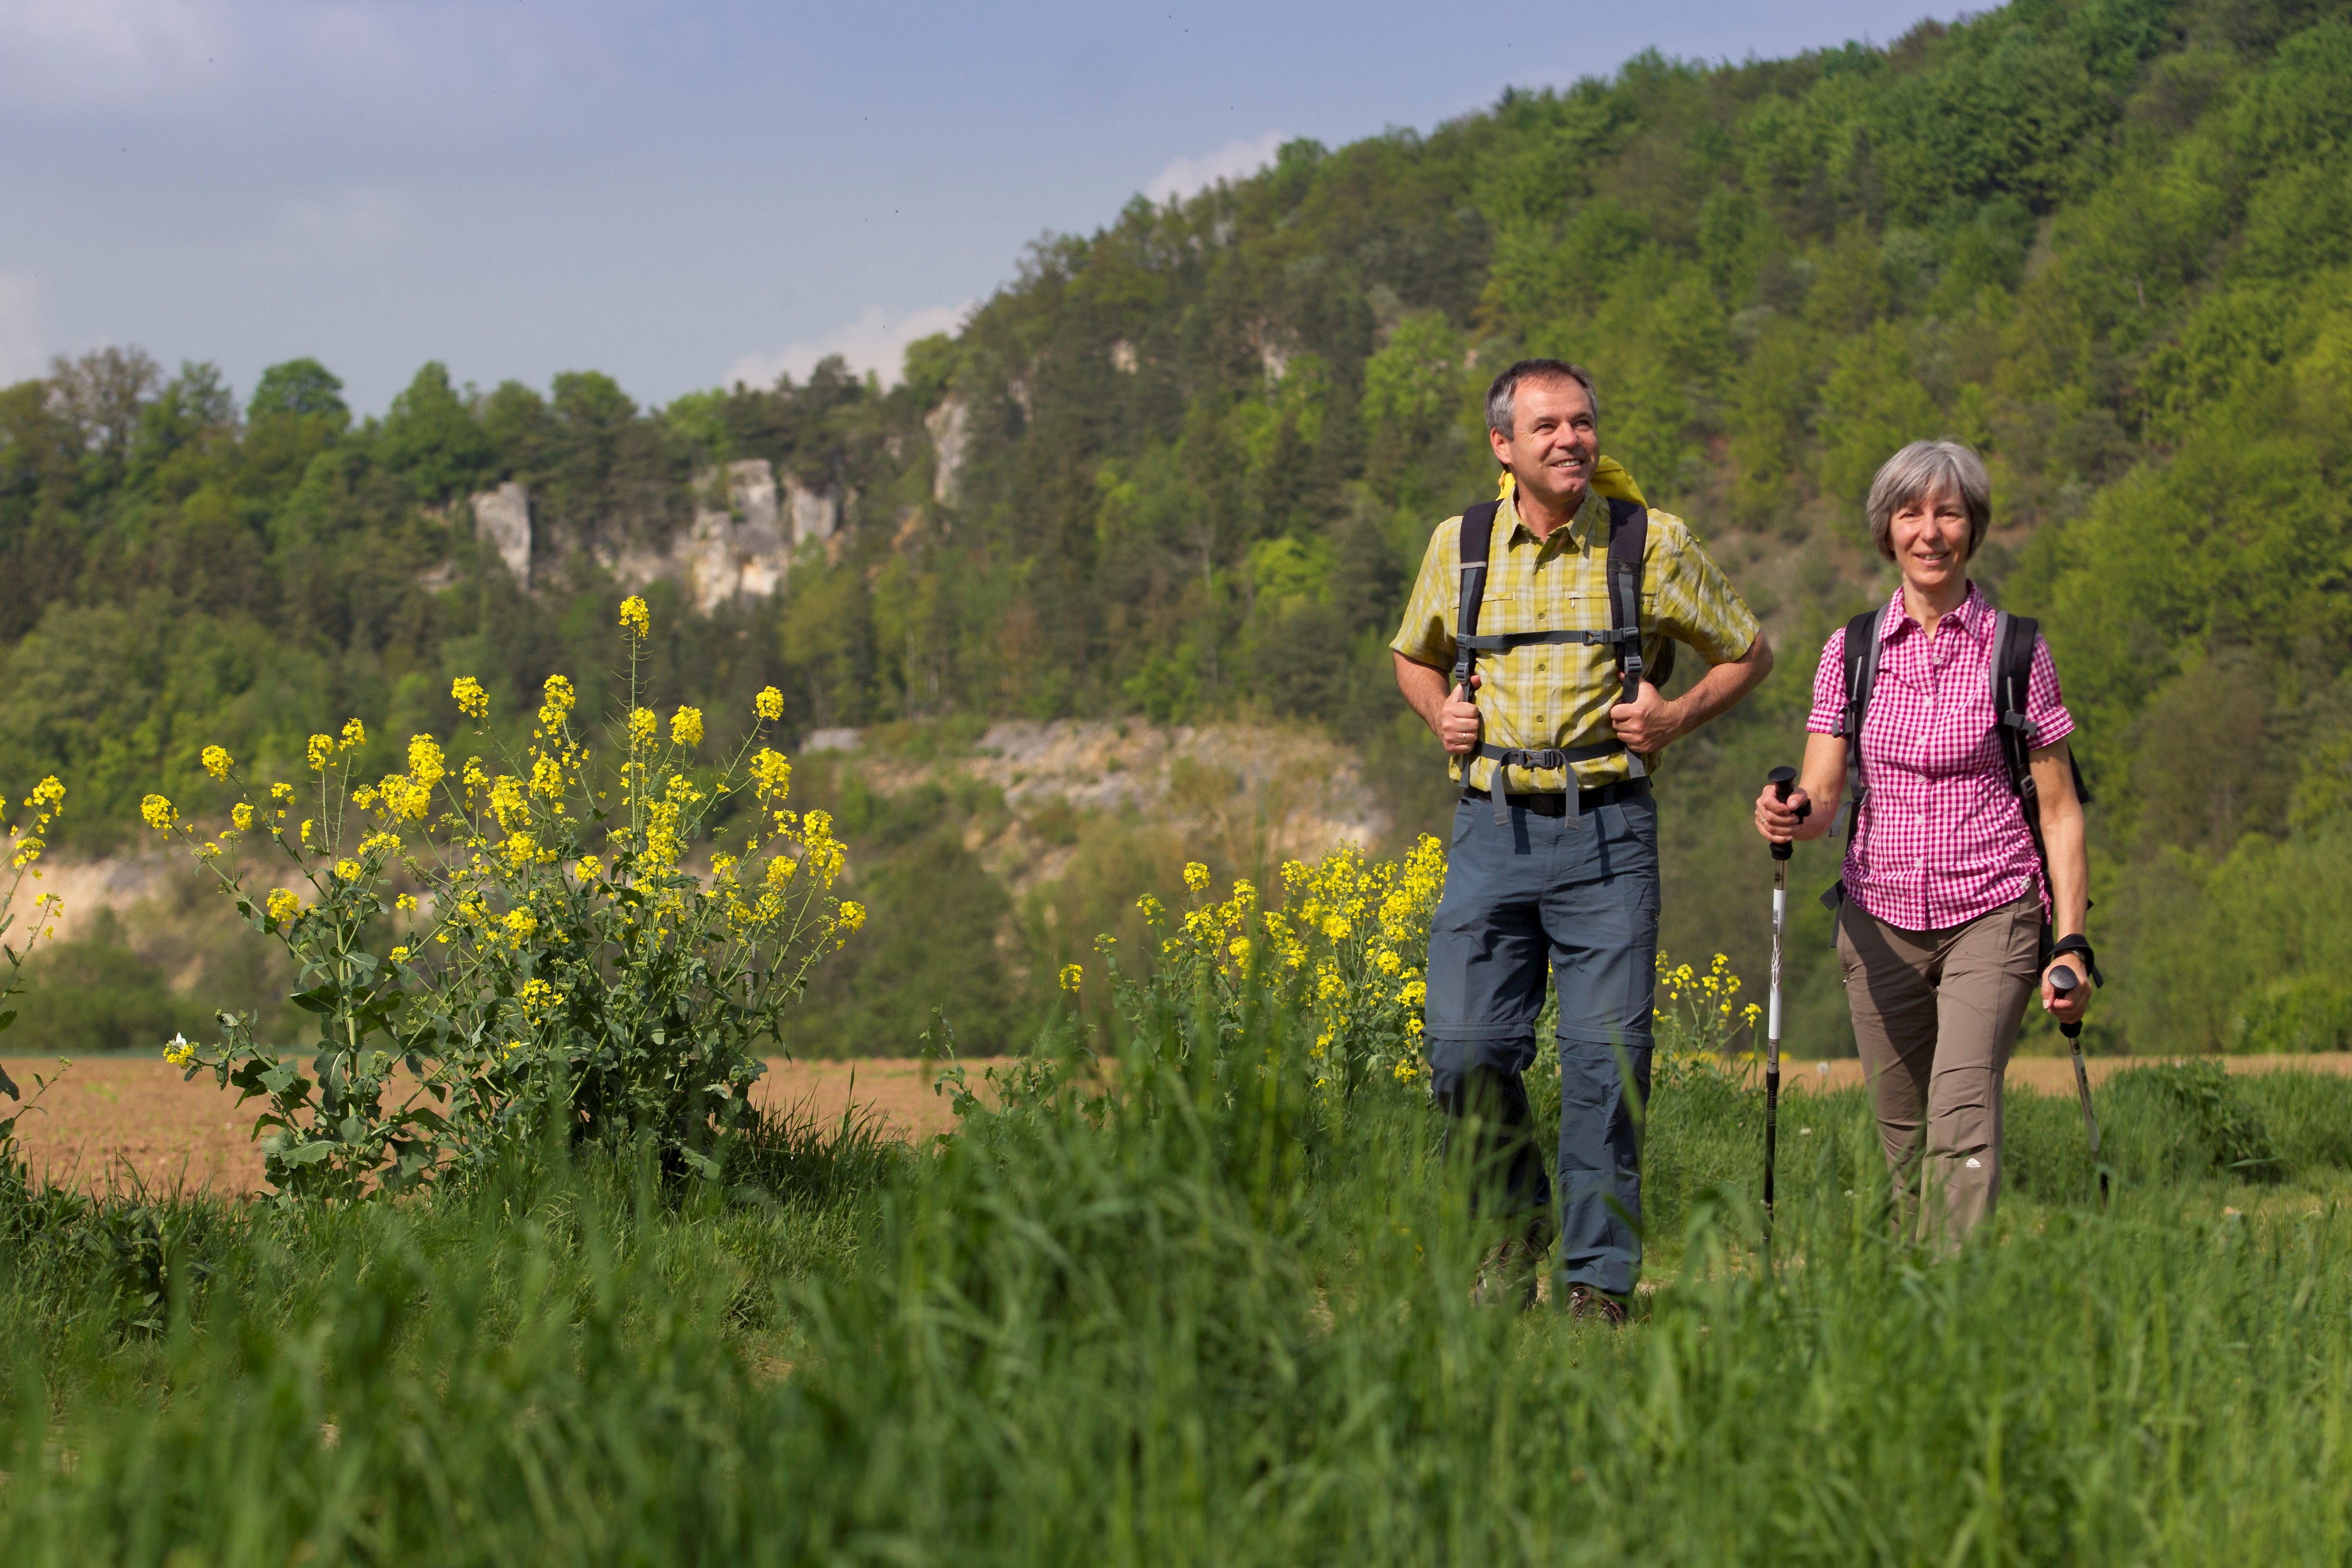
(1609,479)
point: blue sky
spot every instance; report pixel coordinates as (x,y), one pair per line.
(685,194)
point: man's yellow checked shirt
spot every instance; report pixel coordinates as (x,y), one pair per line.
(1556,694)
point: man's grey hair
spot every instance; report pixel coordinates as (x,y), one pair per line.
(1918,470)
(1502,398)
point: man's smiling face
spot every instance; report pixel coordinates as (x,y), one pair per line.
(1554,442)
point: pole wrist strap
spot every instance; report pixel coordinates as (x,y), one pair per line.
(2080,945)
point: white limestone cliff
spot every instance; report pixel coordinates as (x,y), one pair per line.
(502,520)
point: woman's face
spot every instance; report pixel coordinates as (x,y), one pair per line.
(1930,537)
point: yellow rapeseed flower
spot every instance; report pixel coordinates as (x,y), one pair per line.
(1072,976)
(158,813)
(471,699)
(400,954)
(347,871)
(685,726)
(426,765)
(322,751)
(556,699)
(589,869)
(771,773)
(641,725)
(218,762)
(769,704)
(635,616)
(354,734)
(281,791)
(1196,875)
(178,1051)
(242,815)
(853,914)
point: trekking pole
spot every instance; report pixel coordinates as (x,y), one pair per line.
(1781,779)
(2064,980)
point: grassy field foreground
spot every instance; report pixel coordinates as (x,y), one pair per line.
(1209,1318)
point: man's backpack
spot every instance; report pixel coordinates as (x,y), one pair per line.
(2012,674)
(1629,539)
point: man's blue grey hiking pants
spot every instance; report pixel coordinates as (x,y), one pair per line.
(1576,893)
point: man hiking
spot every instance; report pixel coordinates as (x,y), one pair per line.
(1549,711)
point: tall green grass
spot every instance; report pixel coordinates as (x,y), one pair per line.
(1202,1319)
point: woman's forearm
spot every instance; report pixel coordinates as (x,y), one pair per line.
(2063,839)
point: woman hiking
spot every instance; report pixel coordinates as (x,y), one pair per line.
(1946,902)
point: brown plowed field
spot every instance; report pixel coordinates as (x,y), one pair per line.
(118,1120)
(122,1121)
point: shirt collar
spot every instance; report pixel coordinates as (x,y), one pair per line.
(1968,614)
(1590,522)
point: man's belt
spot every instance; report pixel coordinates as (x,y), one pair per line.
(1558,757)
(1547,804)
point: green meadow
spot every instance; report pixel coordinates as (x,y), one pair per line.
(1184,1309)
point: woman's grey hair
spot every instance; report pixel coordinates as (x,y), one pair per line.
(1502,398)
(1919,470)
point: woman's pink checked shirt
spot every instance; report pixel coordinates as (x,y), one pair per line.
(1942,838)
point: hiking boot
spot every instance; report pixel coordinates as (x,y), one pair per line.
(1512,1271)
(1586,1304)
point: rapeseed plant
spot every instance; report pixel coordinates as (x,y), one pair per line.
(558,953)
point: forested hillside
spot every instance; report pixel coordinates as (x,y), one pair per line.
(1181,468)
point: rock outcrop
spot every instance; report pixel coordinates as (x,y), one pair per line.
(746,530)
(946,423)
(502,521)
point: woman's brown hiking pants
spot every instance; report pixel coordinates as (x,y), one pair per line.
(1935,1016)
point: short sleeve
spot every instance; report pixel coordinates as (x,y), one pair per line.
(1828,687)
(1427,635)
(1696,605)
(2044,705)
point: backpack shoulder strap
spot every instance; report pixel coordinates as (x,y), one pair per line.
(1629,545)
(1861,660)
(1859,657)
(2010,673)
(1477,537)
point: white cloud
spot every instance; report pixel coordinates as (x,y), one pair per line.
(353,222)
(21,349)
(876,341)
(1188,176)
(104,51)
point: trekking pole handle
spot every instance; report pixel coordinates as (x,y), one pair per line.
(1781,779)
(2064,980)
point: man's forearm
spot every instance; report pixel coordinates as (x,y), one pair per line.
(1722,687)
(1424,687)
